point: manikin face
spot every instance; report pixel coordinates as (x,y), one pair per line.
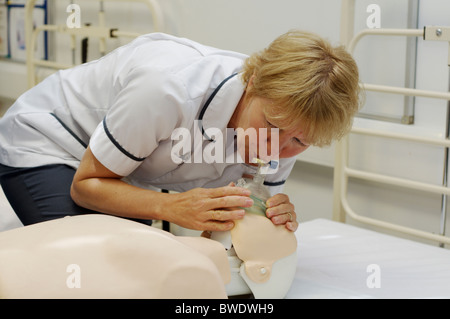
(250,115)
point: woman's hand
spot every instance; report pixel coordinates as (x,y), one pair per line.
(281,211)
(212,209)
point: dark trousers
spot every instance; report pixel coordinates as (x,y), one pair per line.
(42,193)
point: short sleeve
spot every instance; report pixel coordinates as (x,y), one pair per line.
(145,111)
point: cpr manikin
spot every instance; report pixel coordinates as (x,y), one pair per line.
(101,256)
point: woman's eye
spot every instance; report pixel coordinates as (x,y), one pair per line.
(270,124)
(300,142)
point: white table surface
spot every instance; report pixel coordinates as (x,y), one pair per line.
(333,261)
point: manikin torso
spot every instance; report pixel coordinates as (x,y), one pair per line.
(101,256)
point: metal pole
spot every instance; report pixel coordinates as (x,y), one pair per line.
(445,175)
(73,44)
(102,23)
(346,34)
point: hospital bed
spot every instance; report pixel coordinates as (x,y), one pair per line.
(338,260)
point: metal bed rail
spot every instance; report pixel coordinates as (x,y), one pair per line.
(102,32)
(343,172)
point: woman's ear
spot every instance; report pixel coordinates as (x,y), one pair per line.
(250,81)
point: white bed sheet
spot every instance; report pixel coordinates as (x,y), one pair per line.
(333,261)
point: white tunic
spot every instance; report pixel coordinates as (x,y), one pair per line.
(126,106)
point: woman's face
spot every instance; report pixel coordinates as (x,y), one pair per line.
(251,118)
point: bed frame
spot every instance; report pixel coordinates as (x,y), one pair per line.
(342,172)
(101,31)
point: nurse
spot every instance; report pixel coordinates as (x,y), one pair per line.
(98,138)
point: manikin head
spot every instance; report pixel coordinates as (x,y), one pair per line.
(262,257)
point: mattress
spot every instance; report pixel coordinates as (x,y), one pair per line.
(337,260)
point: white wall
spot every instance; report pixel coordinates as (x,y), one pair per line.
(248,26)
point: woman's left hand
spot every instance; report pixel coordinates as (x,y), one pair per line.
(282,212)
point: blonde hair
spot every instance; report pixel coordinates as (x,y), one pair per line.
(313,85)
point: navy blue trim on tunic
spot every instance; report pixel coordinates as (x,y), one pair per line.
(79,140)
(274,183)
(116,144)
(208,102)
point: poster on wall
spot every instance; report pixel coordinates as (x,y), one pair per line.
(16,29)
(3,30)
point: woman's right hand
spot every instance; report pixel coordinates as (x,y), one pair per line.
(211,209)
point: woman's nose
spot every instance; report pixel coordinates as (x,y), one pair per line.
(283,140)
(277,144)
